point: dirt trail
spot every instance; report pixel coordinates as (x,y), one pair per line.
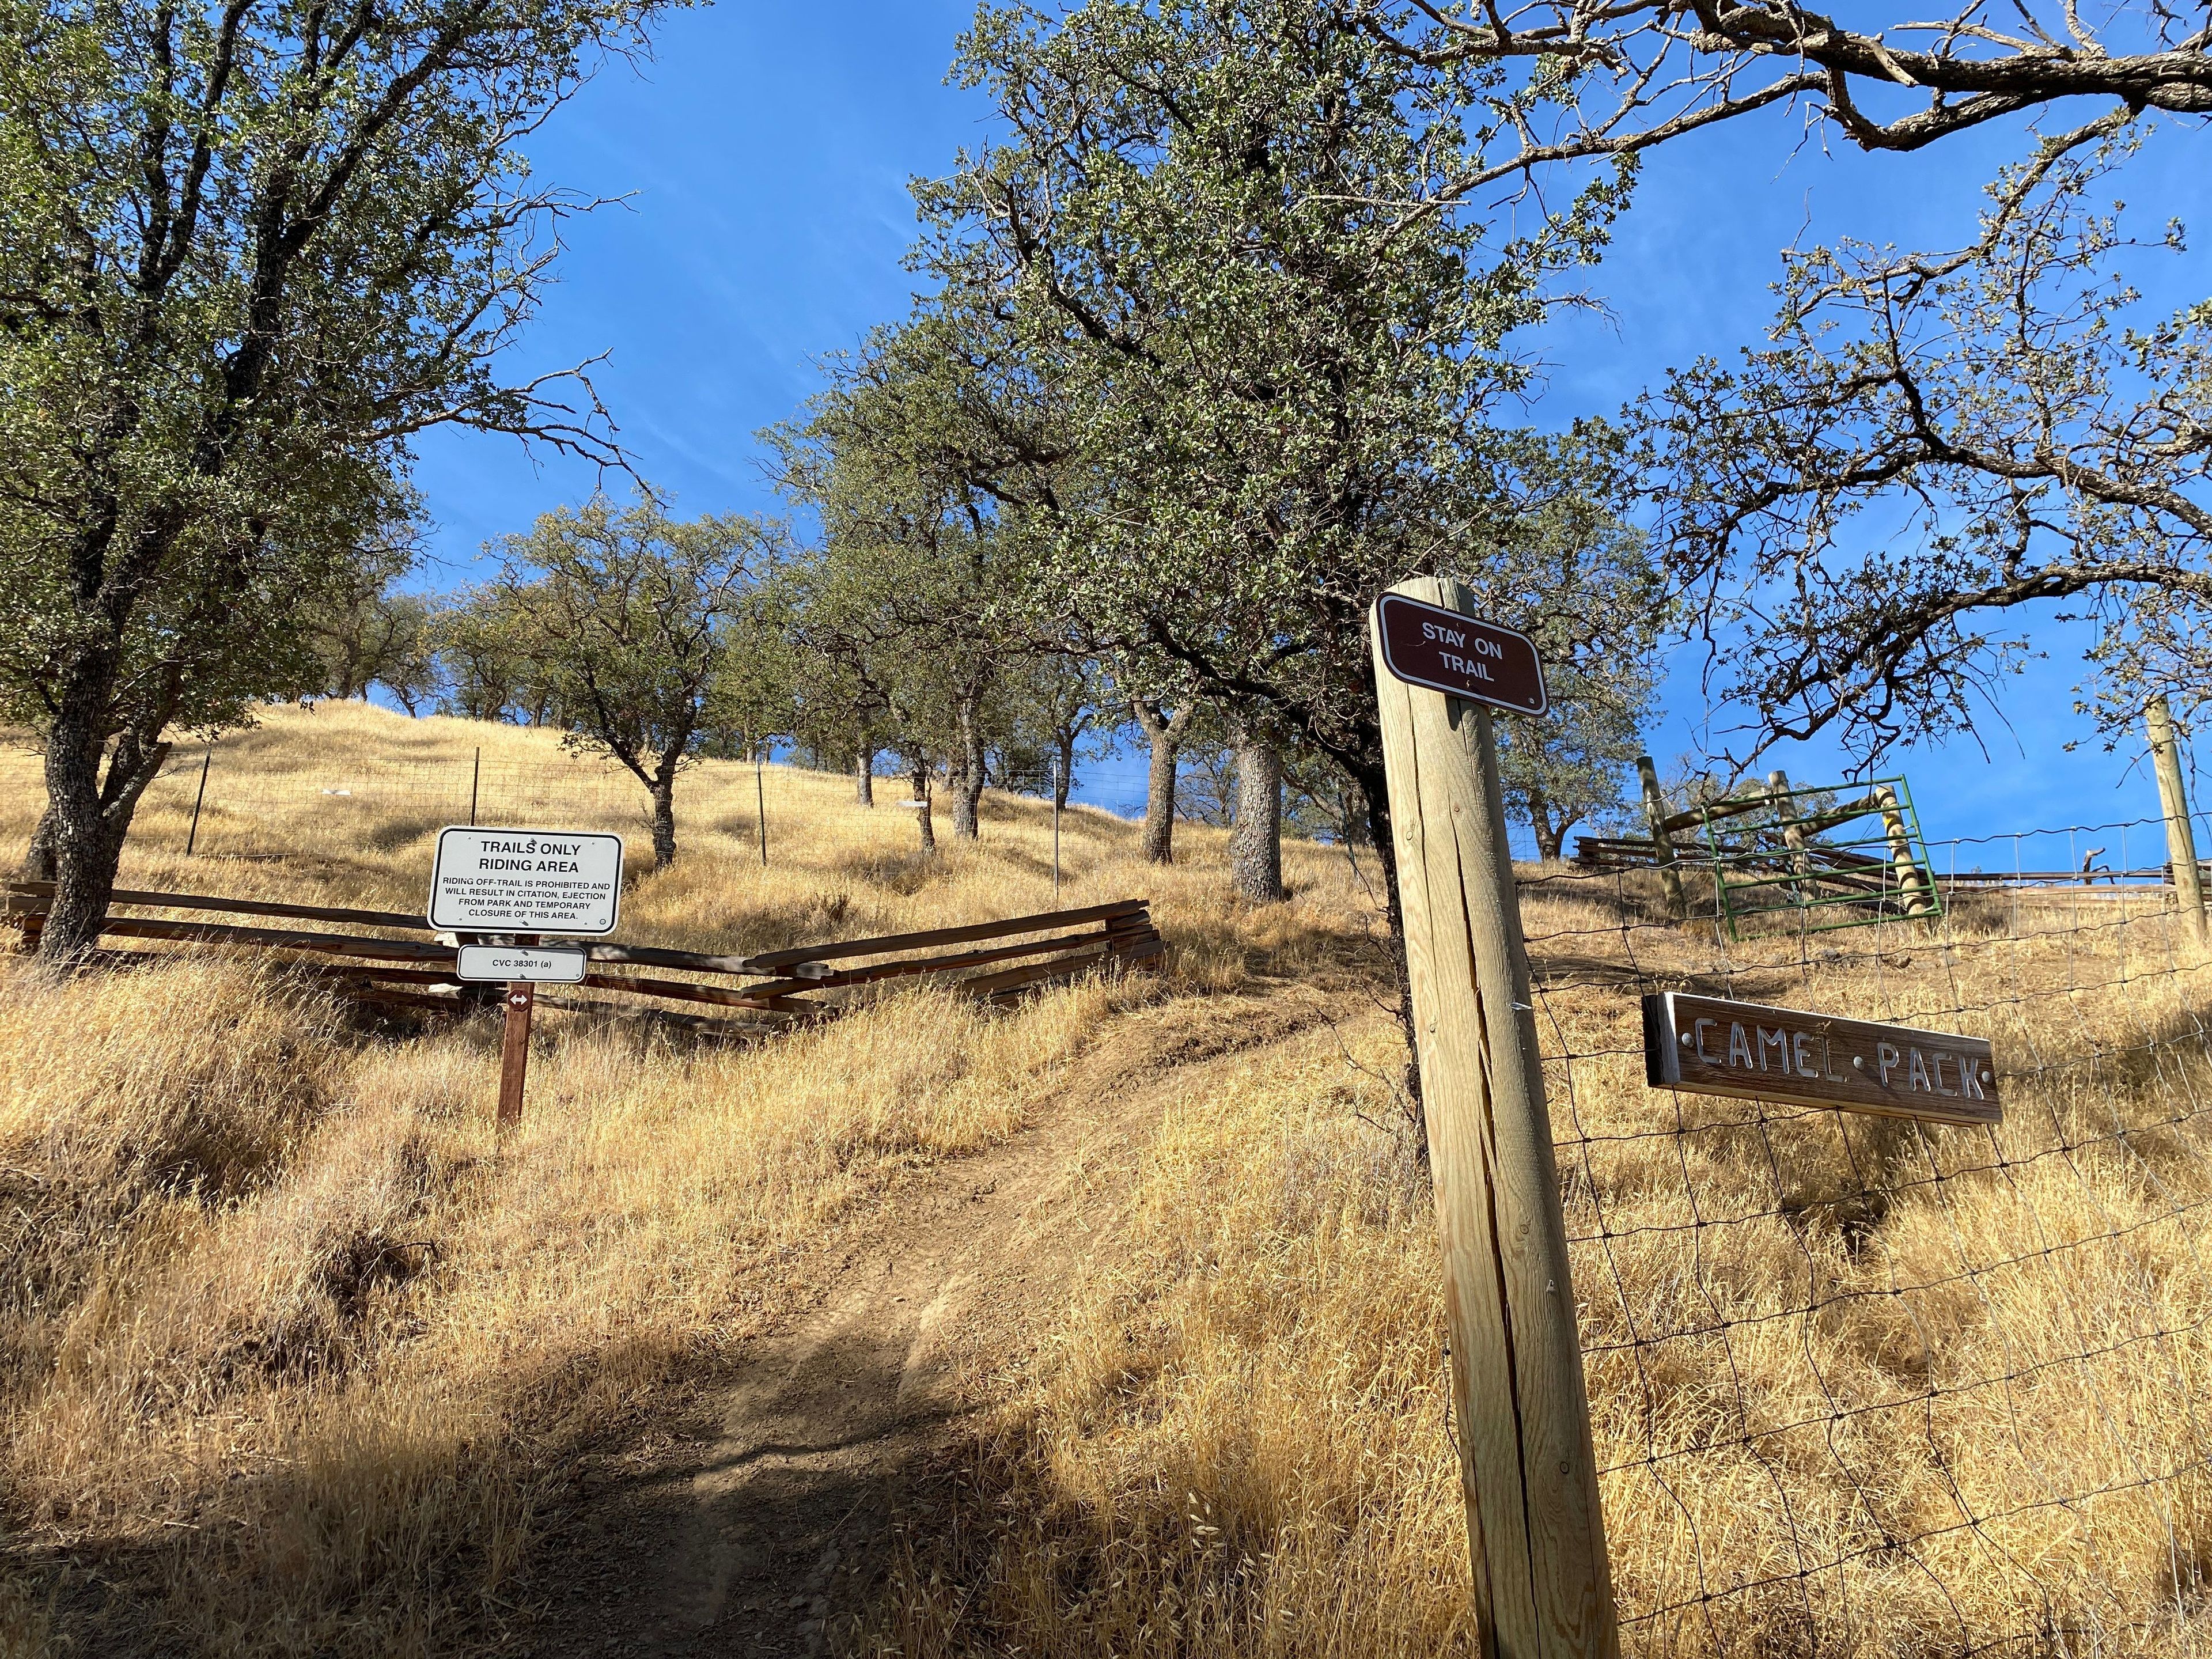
(757,1528)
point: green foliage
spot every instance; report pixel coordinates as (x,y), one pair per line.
(909,617)
(631,622)
(486,667)
(246,252)
(1229,368)
(1573,767)
(366,635)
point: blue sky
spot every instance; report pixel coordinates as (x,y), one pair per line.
(764,156)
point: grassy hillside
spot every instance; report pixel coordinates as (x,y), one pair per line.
(289,1350)
(1857,1388)
(296,1364)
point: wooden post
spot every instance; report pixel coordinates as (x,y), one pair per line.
(1793,834)
(2174,801)
(514,1044)
(192,836)
(1916,889)
(1543,1589)
(1055,826)
(1662,844)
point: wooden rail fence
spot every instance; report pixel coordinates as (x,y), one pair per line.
(418,971)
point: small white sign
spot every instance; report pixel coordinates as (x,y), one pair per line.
(526,881)
(537,965)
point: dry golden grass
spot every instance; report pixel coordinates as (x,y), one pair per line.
(1859,1387)
(292,1348)
(294,1356)
(341,803)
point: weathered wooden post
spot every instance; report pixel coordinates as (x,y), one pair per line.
(1916,887)
(2174,801)
(514,1045)
(1662,844)
(1793,834)
(1542,1588)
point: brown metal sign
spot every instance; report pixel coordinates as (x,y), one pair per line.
(1713,1047)
(1459,655)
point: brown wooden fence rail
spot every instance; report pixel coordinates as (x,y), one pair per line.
(799,983)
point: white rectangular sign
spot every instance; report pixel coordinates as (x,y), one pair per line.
(526,881)
(537,965)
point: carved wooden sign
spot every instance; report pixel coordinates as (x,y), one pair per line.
(1713,1047)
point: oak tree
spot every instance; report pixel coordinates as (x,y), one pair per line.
(1933,451)
(1269,390)
(247,251)
(631,618)
(1563,81)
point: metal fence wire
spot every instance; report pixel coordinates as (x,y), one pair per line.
(1870,1386)
(243,803)
(1861,1386)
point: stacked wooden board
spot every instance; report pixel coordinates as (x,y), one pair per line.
(402,963)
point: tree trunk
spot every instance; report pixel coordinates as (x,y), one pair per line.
(1166,738)
(1062,780)
(1159,800)
(664,820)
(1539,820)
(91,814)
(864,778)
(921,814)
(39,856)
(1255,847)
(968,782)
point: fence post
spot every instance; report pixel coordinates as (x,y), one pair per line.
(1055,826)
(192,834)
(476,776)
(1793,833)
(514,1051)
(760,805)
(1662,844)
(2174,800)
(1915,888)
(1543,1589)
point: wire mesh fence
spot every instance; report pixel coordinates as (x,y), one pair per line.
(239,799)
(1867,1385)
(242,805)
(1861,1386)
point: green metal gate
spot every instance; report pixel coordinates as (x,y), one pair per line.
(1807,858)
